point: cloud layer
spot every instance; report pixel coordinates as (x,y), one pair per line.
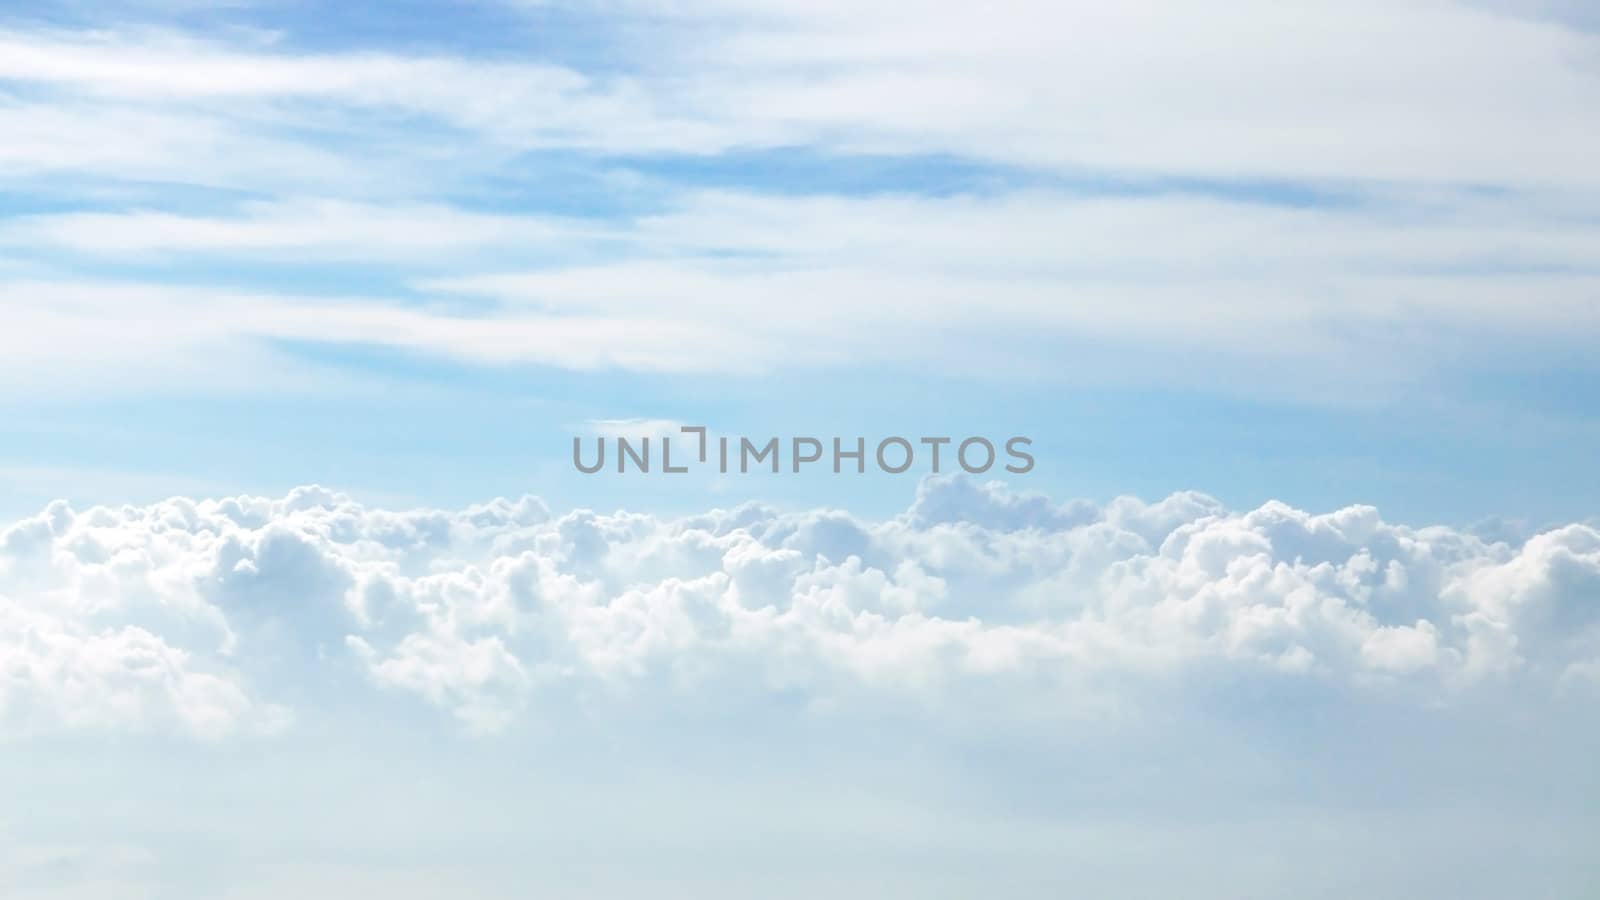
(1300,185)
(1396,93)
(203,616)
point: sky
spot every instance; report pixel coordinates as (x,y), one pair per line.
(303,306)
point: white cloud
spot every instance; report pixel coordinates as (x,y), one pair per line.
(91,628)
(60,675)
(740,282)
(299,229)
(190,614)
(636,428)
(136,334)
(1400,112)
(1434,91)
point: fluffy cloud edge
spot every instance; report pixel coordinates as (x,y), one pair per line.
(198,616)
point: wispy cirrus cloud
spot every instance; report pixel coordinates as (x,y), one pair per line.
(301,230)
(741,281)
(1044,85)
(1170,226)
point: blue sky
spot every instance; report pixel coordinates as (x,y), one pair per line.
(1386,315)
(302,305)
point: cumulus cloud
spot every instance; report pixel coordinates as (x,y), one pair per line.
(104,630)
(195,614)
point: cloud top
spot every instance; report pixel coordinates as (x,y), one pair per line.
(209,617)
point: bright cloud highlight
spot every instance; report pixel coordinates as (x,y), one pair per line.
(184,614)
